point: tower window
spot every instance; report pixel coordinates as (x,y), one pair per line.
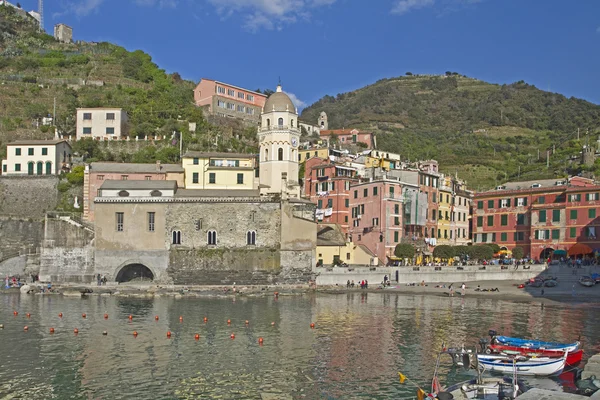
(176,236)
(280,122)
(266,154)
(212,238)
(292,123)
(251,238)
(280,154)
(268,122)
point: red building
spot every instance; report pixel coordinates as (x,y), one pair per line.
(327,184)
(540,216)
(349,136)
(428,184)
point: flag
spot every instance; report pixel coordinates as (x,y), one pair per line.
(421,394)
(402,377)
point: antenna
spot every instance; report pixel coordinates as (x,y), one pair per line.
(41,12)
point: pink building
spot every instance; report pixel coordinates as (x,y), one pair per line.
(97,173)
(350,136)
(327,184)
(376,215)
(225,100)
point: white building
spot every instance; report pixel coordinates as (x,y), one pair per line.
(37,157)
(101,123)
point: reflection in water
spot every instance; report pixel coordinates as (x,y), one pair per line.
(360,343)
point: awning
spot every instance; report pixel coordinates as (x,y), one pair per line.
(560,252)
(579,248)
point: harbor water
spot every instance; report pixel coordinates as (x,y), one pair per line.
(359,343)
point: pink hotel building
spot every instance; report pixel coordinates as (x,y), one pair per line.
(225,100)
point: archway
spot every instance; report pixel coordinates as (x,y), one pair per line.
(137,273)
(546,253)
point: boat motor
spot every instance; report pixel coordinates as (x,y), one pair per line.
(466,361)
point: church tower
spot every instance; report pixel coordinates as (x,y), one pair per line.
(279,135)
(322,122)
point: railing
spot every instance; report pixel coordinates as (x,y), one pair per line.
(75,217)
(278,128)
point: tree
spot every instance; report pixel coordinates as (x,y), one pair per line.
(443,251)
(461,251)
(409,73)
(36,110)
(75,177)
(404,250)
(481,252)
(518,252)
(495,248)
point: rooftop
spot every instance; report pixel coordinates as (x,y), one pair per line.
(233,86)
(200,154)
(132,168)
(330,235)
(139,185)
(99,108)
(36,142)
(340,132)
(279,101)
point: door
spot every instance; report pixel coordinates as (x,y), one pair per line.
(30,168)
(48,168)
(40,168)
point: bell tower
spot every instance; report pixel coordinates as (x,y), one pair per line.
(279,136)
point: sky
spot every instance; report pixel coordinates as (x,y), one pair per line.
(320,47)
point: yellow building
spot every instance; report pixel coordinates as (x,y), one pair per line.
(382,159)
(306,154)
(444,214)
(218,170)
(332,248)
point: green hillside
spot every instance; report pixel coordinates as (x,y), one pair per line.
(486,133)
(36,70)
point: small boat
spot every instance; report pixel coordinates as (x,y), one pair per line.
(587,281)
(532,344)
(573,358)
(536,366)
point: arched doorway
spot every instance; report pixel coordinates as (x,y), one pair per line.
(546,253)
(40,168)
(135,273)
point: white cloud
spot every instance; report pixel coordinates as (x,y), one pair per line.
(268,14)
(159,3)
(85,7)
(297,102)
(598,30)
(402,7)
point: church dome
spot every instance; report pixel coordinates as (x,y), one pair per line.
(279,101)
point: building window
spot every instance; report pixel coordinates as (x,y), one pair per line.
(110,131)
(503,220)
(212,238)
(220,89)
(230,92)
(541,200)
(479,205)
(504,203)
(151,218)
(124,177)
(396,209)
(592,213)
(120,220)
(48,168)
(212,177)
(87,116)
(591,232)
(375,191)
(100,177)
(521,201)
(30,151)
(4,168)
(110,116)
(240,95)
(220,103)
(280,154)
(375,221)
(490,220)
(365,192)
(240,179)
(575,197)
(396,236)
(542,216)
(17,151)
(249,97)
(396,221)
(195,177)
(329,203)
(503,237)
(44,151)
(433,215)
(573,214)
(592,196)
(573,232)
(176,237)
(17,167)
(356,194)
(87,131)
(251,238)
(520,219)
(555,215)
(555,233)
(319,204)
(479,222)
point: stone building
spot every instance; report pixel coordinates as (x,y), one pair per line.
(63,33)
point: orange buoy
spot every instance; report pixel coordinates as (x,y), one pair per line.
(260,340)
(26,328)
(312,325)
(60,315)
(15,313)
(130,317)
(169,334)
(156,318)
(104,333)
(276,294)
(232,336)
(135,334)
(51,330)
(180,319)
(83,315)
(76,331)
(228,322)
(105,316)
(272,323)
(247,322)
(28,315)
(205,319)
(197,337)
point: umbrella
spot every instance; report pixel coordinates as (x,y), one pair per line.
(579,248)
(560,252)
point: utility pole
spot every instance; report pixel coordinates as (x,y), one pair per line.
(577,133)
(538,154)
(54,113)
(547,158)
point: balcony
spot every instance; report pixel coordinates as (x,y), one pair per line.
(278,128)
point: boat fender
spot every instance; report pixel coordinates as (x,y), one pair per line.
(466,361)
(488,351)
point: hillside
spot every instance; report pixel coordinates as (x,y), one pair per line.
(486,133)
(36,70)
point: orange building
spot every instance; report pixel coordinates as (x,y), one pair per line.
(225,100)
(349,136)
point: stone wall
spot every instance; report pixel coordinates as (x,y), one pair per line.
(19,236)
(110,262)
(28,196)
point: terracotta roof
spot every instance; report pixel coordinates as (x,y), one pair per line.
(200,154)
(330,235)
(340,132)
(37,142)
(133,168)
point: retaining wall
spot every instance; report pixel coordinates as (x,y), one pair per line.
(428,274)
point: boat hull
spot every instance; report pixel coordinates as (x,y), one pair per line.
(543,366)
(573,358)
(535,344)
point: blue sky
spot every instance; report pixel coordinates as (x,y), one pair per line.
(321,47)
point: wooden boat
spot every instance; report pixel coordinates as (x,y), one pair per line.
(535,366)
(489,388)
(573,358)
(533,344)
(587,281)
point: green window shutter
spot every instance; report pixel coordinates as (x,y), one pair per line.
(573,214)
(504,220)
(494,237)
(396,220)
(536,234)
(490,220)
(396,236)
(542,200)
(573,232)
(555,215)
(479,222)
(504,237)
(347,202)
(329,203)
(479,204)
(555,233)
(320,204)
(542,216)
(592,213)
(490,204)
